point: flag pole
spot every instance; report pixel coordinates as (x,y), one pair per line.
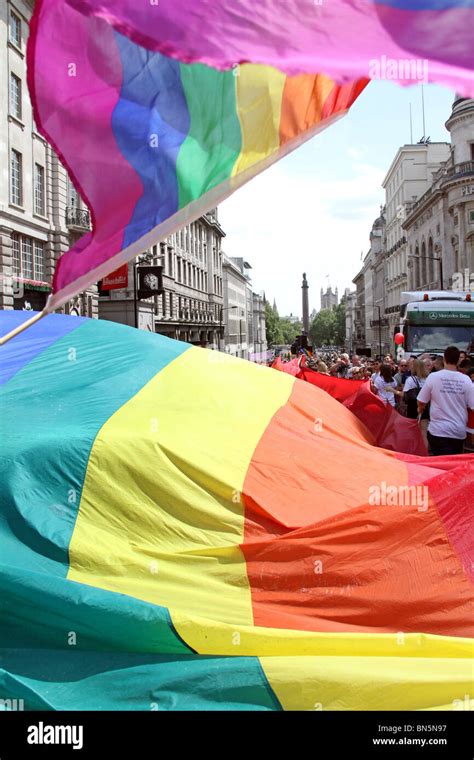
(24,326)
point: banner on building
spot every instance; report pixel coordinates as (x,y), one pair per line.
(117,279)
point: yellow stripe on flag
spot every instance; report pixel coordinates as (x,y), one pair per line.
(369,683)
(259,99)
(161,515)
(212,637)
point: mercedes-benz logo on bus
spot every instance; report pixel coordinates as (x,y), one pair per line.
(433,315)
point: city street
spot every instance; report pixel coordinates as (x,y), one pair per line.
(236,374)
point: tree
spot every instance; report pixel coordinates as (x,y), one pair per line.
(323,328)
(340,327)
(272,326)
(290,330)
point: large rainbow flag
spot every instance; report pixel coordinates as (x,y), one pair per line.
(135,99)
(240,546)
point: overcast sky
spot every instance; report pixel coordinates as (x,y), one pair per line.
(312,212)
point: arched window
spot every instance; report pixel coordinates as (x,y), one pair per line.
(417,268)
(456,255)
(470,254)
(423,264)
(432,270)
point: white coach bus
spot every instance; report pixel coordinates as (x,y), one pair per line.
(431,320)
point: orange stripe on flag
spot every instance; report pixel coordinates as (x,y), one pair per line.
(302,104)
(320,556)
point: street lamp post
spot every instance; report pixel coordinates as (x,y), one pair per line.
(222,310)
(380,331)
(431,258)
(145,258)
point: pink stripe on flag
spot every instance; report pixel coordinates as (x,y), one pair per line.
(337,37)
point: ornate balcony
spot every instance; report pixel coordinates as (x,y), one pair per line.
(78,218)
(466,167)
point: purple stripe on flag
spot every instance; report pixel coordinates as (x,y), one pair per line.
(150,123)
(27,345)
(425,5)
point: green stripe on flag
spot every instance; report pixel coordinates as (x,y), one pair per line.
(214,141)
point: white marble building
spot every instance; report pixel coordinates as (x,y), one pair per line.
(408,178)
(351,300)
(236,284)
(440,224)
(190,308)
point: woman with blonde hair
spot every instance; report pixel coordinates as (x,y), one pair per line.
(411,389)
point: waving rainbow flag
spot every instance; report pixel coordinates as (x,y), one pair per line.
(151,142)
(134,98)
(161,549)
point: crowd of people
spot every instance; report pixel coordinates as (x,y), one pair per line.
(438,392)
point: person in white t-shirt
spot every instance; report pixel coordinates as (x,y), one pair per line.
(376,372)
(451,396)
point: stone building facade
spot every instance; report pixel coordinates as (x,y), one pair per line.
(328,298)
(258,338)
(408,178)
(236,310)
(440,224)
(190,308)
(351,301)
(425,231)
(371,325)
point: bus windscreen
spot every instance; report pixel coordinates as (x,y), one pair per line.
(435,338)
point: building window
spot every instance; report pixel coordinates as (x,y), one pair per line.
(16,190)
(73,195)
(471,217)
(16,253)
(39,260)
(39,189)
(15,96)
(15,29)
(27,257)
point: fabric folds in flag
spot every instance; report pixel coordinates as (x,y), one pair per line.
(157,124)
(383,424)
(161,549)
